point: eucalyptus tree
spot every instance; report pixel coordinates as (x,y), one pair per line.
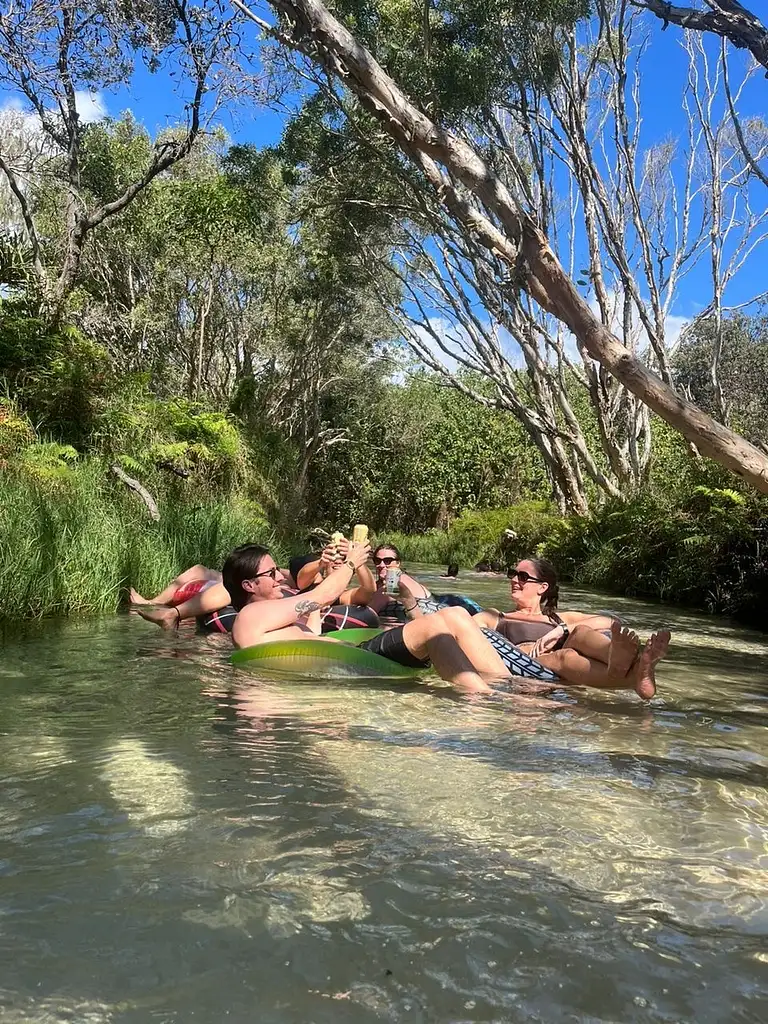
(477,196)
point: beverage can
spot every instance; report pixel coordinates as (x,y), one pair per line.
(392,582)
(336,539)
(360,534)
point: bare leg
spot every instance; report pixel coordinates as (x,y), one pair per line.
(196,572)
(578,670)
(212,599)
(618,651)
(452,664)
(457,648)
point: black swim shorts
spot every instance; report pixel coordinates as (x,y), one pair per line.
(390,645)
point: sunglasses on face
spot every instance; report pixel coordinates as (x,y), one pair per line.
(272,573)
(522,576)
(385,561)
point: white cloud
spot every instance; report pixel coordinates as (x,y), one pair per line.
(90,105)
(441,327)
(674,325)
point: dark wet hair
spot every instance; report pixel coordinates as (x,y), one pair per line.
(388,547)
(241,564)
(546,572)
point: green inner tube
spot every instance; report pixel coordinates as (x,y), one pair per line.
(319,658)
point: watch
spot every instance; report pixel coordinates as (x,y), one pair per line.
(351,565)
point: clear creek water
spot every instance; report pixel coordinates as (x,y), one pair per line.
(180,841)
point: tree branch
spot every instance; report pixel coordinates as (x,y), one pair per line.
(726,18)
(142,492)
(745,151)
(26,215)
(317,32)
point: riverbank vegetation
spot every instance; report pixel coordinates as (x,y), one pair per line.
(331,329)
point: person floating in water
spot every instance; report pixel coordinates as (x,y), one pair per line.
(451,572)
(199,593)
(587,646)
(450,639)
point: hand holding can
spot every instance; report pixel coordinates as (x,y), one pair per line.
(392,582)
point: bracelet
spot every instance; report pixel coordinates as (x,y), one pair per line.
(414,605)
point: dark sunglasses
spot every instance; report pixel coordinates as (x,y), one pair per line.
(269,572)
(385,561)
(523,576)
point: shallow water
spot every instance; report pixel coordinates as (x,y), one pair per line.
(183,842)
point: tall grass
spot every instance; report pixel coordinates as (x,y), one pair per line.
(74,543)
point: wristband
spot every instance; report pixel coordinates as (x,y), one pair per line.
(414,605)
(351,565)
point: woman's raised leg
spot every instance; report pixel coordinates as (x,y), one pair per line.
(580,670)
(457,649)
(212,599)
(196,572)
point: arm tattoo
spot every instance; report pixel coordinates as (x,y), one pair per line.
(306,608)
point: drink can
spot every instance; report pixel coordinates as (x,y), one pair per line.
(360,534)
(392,582)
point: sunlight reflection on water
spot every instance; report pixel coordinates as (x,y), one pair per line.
(182,841)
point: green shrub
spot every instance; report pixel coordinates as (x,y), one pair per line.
(142,433)
(491,535)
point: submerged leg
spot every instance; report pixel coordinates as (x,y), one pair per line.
(457,648)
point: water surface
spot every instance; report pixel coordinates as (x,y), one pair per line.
(183,842)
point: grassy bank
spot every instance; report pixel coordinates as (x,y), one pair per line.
(706,549)
(73,543)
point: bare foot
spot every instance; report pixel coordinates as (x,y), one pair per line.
(136,597)
(165,618)
(623,650)
(643,674)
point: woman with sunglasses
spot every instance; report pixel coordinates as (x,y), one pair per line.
(535,591)
(395,608)
(582,648)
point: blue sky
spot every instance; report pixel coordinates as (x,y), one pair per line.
(153,100)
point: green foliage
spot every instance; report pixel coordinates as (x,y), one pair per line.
(502,535)
(145,433)
(743,371)
(16,432)
(419,454)
(703,548)
(456,56)
(58,375)
(75,544)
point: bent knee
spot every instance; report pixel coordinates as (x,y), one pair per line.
(455,614)
(579,630)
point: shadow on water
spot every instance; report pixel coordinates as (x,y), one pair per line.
(178,842)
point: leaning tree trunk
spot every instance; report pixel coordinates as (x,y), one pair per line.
(520,242)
